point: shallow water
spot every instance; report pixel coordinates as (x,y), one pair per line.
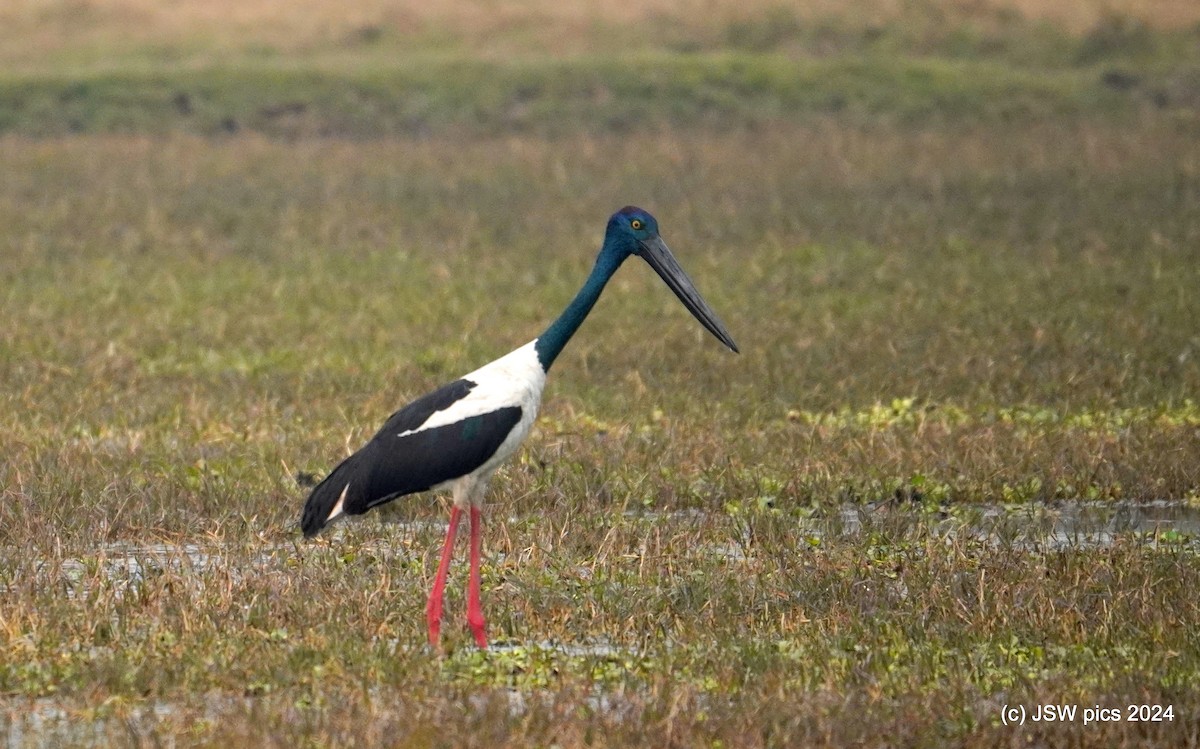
(1031,526)
(1066,525)
(44,722)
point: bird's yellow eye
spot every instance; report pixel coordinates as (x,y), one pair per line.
(636,224)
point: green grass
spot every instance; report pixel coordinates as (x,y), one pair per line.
(959,263)
(991,315)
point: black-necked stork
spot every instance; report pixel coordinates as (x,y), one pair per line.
(456,436)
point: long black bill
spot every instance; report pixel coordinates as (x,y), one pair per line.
(659,257)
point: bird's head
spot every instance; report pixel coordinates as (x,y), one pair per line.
(633,231)
(629,227)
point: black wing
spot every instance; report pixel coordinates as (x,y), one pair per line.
(418,412)
(391,465)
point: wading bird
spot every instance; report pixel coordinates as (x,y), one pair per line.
(456,436)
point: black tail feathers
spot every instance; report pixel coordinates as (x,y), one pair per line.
(338,486)
(387,467)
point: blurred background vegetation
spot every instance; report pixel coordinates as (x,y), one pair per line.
(410,68)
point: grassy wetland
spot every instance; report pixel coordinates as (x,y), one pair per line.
(955,468)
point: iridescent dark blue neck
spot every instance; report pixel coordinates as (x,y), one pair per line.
(550,344)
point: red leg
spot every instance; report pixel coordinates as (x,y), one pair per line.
(475,618)
(433,612)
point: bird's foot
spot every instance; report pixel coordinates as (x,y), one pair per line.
(433,617)
(478,628)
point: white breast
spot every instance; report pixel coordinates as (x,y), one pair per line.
(515,379)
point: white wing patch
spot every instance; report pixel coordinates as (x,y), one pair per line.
(337,508)
(515,379)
